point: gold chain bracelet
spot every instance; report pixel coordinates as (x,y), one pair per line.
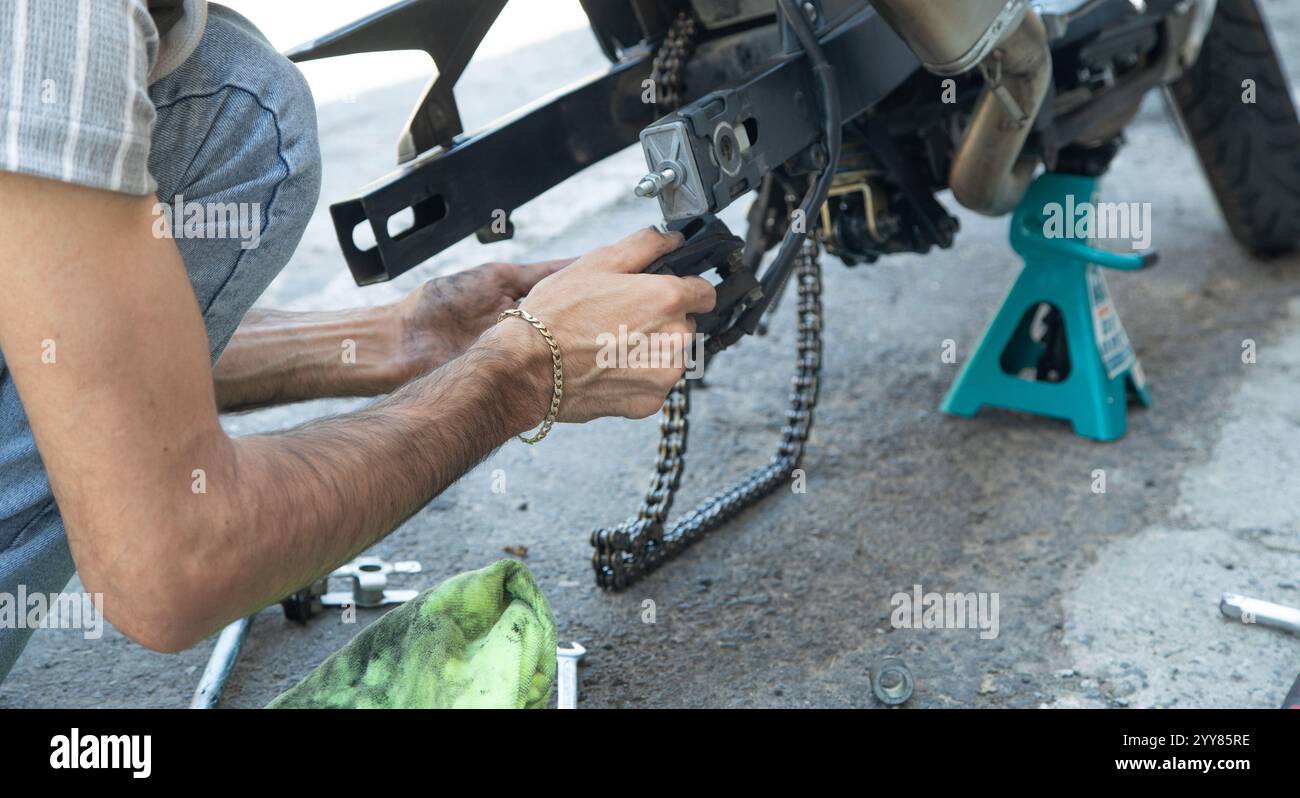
(557,376)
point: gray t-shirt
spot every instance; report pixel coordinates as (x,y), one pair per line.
(74,79)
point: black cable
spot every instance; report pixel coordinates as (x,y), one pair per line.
(828,97)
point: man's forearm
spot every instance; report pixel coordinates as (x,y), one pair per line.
(276,357)
(291,506)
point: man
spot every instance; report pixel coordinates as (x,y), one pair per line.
(112,459)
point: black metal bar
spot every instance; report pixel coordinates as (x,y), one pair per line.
(459,191)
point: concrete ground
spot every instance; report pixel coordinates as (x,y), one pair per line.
(1105,599)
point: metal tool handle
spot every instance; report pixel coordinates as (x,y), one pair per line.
(567,675)
(220,664)
(1265,613)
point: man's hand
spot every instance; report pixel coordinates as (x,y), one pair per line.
(439,320)
(587,303)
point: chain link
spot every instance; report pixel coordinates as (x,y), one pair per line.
(639,545)
(642,543)
(668,70)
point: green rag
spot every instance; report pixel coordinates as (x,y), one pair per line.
(482,639)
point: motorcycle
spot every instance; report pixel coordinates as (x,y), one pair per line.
(842,120)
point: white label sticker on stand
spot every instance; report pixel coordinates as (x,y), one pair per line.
(1112,341)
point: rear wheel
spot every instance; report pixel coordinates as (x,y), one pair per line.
(1250,150)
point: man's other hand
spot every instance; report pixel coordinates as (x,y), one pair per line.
(439,320)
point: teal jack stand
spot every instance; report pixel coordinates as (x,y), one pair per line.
(1092,352)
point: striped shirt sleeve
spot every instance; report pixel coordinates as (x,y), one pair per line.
(74,102)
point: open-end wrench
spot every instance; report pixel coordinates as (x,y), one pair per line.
(567,660)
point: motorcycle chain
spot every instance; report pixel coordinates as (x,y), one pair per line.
(637,546)
(669,66)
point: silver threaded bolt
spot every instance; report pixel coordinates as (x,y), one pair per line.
(653,184)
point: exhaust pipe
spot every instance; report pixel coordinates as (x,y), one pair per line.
(988,174)
(1008,42)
